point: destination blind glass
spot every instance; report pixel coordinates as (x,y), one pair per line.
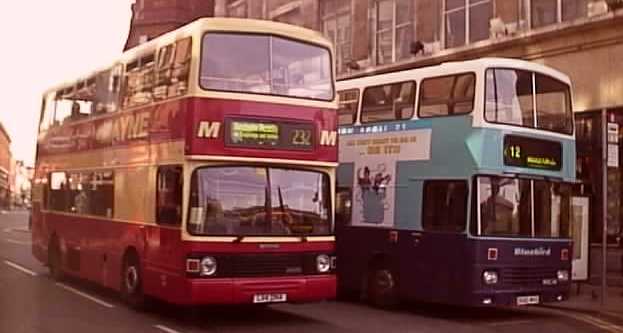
(532,153)
(264,134)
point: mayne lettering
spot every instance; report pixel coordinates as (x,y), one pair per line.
(131,127)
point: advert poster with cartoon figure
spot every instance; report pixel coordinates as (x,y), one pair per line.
(375,156)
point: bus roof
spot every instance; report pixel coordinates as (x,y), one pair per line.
(479,65)
(200,26)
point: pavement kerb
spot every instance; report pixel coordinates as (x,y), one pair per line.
(604,314)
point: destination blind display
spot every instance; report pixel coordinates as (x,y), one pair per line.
(532,153)
(263,134)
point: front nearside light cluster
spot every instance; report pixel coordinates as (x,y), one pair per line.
(208,266)
(490,277)
(323,263)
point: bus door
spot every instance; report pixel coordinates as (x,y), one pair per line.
(164,241)
(579,234)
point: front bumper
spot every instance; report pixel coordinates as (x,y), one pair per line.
(242,290)
(516,297)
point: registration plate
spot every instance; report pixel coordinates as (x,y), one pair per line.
(527,300)
(269,298)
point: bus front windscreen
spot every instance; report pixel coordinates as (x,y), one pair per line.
(265,64)
(516,207)
(528,99)
(246,200)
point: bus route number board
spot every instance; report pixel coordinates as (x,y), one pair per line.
(269,298)
(532,153)
(265,134)
(528,300)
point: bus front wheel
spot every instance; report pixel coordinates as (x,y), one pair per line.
(132,281)
(381,287)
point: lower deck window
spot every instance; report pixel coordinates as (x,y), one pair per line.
(84,192)
(445,205)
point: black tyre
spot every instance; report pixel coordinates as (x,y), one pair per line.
(132,282)
(381,287)
(55,260)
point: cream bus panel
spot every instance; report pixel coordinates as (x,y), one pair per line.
(136,187)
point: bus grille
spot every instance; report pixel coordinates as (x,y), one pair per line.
(269,265)
(527,276)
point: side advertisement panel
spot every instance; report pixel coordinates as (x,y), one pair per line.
(375,157)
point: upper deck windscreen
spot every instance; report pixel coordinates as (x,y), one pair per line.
(265,64)
(528,99)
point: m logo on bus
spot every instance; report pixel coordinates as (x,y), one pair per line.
(208,129)
(328,138)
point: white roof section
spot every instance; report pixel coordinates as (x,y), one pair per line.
(476,65)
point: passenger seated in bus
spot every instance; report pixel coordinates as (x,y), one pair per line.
(81,201)
(75,112)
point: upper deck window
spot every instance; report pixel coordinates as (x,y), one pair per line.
(447,95)
(347,110)
(528,99)
(263,64)
(388,102)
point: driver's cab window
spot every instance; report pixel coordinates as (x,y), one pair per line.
(343,206)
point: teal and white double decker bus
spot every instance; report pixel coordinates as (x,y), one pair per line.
(454,184)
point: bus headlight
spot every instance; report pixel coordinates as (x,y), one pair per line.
(323,263)
(490,277)
(562,275)
(208,266)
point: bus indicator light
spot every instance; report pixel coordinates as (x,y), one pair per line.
(393,236)
(564,255)
(492,254)
(192,265)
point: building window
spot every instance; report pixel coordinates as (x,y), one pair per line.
(335,16)
(547,12)
(445,205)
(466,21)
(236,8)
(393,30)
(289,13)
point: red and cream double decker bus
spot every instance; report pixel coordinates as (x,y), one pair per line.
(198,169)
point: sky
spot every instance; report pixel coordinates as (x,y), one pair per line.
(46,43)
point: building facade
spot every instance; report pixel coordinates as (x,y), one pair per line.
(582,38)
(151,18)
(5,169)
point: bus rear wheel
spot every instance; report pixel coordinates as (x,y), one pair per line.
(381,288)
(55,261)
(132,282)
